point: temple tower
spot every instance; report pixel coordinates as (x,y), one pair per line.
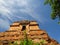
(16,33)
(24,25)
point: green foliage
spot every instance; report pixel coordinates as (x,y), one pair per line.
(48,2)
(15,43)
(30,42)
(9,43)
(58,22)
(55,6)
(53,16)
(37,43)
(43,42)
(21,43)
(24,42)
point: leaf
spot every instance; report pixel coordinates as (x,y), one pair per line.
(58,22)
(46,2)
(53,16)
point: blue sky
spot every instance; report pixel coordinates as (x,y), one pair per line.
(15,10)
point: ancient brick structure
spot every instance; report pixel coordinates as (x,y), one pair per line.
(16,32)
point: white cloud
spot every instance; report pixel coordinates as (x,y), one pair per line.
(13,9)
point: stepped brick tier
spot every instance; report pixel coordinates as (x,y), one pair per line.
(16,33)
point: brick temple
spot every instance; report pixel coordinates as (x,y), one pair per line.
(16,32)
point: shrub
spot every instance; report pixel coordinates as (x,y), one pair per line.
(15,43)
(24,42)
(37,43)
(43,42)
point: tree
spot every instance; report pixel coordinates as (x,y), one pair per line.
(55,6)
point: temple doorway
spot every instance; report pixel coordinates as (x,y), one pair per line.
(23,27)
